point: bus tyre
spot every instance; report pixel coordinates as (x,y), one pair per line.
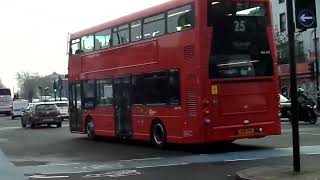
(91,129)
(158,134)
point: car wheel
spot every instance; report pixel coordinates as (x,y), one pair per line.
(32,125)
(158,134)
(91,129)
(12,117)
(59,125)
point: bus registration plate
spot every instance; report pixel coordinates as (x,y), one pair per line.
(246,131)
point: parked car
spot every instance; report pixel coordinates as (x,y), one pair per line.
(285,107)
(63,107)
(18,107)
(41,113)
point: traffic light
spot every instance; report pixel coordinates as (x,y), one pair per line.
(55,88)
(312,70)
(306,16)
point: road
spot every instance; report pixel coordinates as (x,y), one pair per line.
(55,153)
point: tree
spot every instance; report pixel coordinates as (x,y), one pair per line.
(29,83)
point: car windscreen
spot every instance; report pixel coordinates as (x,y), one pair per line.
(5,92)
(240,45)
(46,107)
(62,104)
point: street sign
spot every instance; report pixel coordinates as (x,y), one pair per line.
(306,16)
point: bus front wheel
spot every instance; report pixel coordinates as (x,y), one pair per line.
(158,134)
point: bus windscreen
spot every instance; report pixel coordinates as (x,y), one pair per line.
(240,46)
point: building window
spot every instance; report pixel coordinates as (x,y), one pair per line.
(300,48)
(283,22)
(281,1)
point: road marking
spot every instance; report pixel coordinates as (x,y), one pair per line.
(234,160)
(163,165)
(144,159)
(170,161)
(4,140)
(9,128)
(58,164)
(46,177)
(312,134)
(114,174)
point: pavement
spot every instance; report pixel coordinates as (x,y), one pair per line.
(310,170)
(8,170)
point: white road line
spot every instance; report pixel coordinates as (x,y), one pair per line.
(59,164)
(8,128)
(234,160)
(47,177)
(144,159)
(312,134)
(4,140)
(113,174)
(162,165)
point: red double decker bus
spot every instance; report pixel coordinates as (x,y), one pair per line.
(185,71)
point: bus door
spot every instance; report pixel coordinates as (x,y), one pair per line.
(75,116)
(122,106)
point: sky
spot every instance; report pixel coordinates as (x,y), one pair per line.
(33,33)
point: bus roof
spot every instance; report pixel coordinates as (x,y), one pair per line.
(131,17)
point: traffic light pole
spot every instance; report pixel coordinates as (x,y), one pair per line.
(293,87)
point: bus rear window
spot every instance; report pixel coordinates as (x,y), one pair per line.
(5,92)
(239,45)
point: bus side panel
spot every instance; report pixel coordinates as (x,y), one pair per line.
(103,117)
(143,116)
(74,68)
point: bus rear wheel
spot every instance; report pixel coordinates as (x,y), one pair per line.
(158,134)
(91,130)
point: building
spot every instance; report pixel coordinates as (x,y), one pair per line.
(305,48)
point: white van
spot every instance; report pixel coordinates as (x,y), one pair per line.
(18,107)
(5,101)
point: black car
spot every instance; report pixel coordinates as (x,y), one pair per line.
(41,113)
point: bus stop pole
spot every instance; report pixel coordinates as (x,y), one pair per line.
(293,87)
